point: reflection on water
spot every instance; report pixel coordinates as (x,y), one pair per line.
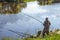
(11,7)
(22,23)
(14,7)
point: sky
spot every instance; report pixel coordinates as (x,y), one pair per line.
(23,23)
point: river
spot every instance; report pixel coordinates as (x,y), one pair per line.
(23,23)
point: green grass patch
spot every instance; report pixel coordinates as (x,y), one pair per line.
(50,37)
(29,0)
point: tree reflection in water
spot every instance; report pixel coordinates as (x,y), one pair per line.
(11,7)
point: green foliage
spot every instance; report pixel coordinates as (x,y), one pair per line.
(28,0)
(53,37)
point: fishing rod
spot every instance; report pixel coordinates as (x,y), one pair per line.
(33,18)
(19,33)
(23,34)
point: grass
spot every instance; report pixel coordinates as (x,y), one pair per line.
(50,37)
(29,0)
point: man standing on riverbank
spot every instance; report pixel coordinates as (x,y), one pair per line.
(46,25)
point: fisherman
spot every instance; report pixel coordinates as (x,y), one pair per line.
(46,25)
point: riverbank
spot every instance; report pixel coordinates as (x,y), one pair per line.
(52,36)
